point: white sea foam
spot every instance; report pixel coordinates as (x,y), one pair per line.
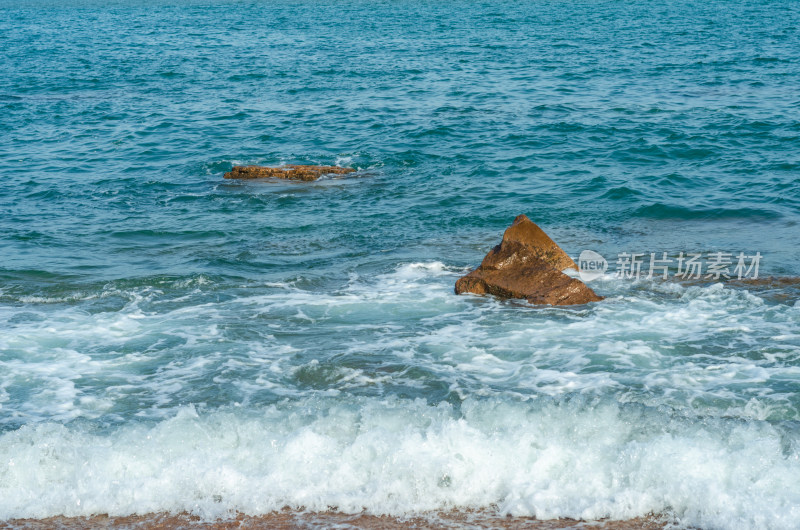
(654,342)
(343,161)
(684,377)
(543,458)
(73,297)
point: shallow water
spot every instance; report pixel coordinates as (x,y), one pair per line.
(170,341)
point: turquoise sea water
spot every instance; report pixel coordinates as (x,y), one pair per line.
(171,341)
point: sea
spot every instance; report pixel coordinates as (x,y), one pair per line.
(175,342)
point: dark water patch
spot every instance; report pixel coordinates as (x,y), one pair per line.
(165,236)
(674,179)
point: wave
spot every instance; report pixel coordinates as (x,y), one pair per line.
(95,352)
(547,458)
(668,211)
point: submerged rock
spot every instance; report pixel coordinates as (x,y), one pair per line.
(527,264)
(290,172)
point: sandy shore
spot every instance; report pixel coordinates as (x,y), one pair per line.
(293,519)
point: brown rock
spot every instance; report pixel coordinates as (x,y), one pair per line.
(527,264)
(291,172)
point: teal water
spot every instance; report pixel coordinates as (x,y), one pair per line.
(172,341)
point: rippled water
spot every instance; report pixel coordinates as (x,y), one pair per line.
(170,341)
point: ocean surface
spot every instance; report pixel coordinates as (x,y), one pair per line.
(171,341)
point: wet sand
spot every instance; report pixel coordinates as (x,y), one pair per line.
(286,519)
